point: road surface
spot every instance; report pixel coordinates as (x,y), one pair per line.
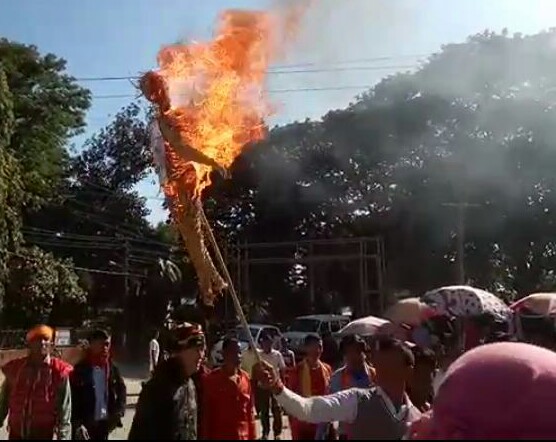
(133,389)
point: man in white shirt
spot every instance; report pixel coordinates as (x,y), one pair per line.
(264,401)
(383,412)
(154,352)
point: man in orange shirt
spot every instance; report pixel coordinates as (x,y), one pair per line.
(310,378)
(227,399)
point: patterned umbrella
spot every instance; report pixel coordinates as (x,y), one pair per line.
(543,304)
(410,311)
(466,301)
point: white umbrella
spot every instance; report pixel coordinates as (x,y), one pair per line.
(367,326)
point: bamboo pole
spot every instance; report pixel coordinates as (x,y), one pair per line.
(228,279)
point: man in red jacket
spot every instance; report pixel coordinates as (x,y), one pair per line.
(36,392)
(310,378)
(228,399)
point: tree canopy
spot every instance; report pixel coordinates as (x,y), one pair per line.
(35,123)
(473,125)
(49,108)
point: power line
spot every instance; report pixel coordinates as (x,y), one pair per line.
(94,245)
(84,269)
(121,229)
(53,234)
(273,91)
(353,60)
(276,72)
(97,192)
(128,234)
(74,246)
(46,235)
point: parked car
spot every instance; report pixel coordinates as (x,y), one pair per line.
(239,332)
(318,325)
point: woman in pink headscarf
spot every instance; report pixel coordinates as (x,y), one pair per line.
(496,391)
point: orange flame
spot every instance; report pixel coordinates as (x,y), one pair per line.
(216,90)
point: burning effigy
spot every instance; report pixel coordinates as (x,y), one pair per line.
(210,101)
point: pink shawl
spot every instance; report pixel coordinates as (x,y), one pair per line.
(496,391)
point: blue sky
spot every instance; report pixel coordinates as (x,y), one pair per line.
(101,38)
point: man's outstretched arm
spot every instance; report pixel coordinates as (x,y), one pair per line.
(341,406)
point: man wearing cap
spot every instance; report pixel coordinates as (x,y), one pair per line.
(98,391)
(356,373)
(36,392)
(382,412)
(167,405)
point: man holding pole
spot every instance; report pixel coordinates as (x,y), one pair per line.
(356,373)
(382,412)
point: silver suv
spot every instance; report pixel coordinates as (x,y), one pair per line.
(319,325)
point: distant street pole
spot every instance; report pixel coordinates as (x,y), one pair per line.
(126,291)
(460,252)
(125,267)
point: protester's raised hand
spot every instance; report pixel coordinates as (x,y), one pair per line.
(263,373)
(267,377)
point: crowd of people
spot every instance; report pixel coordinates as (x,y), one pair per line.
(382,389)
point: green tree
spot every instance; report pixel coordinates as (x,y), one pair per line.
(11,189)
(101,224)
(40,288)
(474,124)
(33,285)
(49,108)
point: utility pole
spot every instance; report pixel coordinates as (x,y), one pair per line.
(460,251)
(125,300)
(126,269)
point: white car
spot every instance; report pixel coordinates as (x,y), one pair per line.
(317,325)
(256,331)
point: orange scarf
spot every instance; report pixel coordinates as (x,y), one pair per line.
(305,378)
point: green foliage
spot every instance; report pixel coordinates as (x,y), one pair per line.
(39,287)
(475,124)
(11,191)
(101,201)
(49,108)
(167,233)
(34,286)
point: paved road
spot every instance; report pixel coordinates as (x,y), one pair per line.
(133,389)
